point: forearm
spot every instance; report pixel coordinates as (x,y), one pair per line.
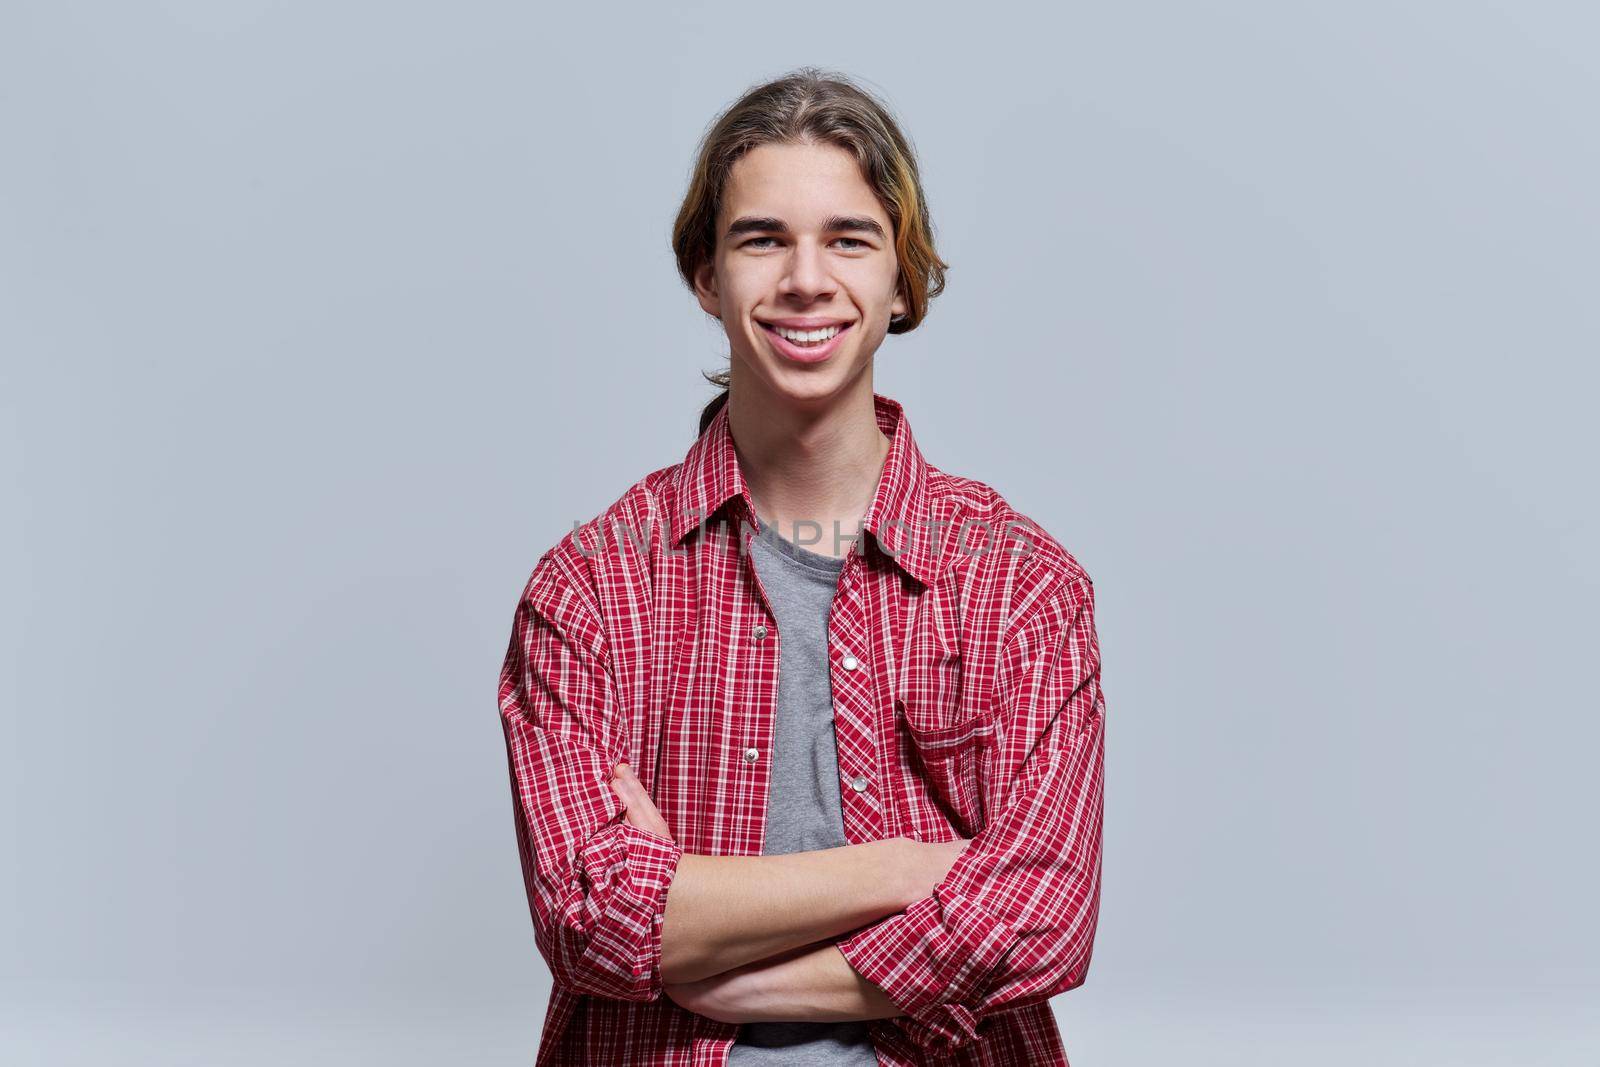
(726,911)
(810,984)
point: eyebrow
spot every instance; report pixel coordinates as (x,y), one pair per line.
(832,224)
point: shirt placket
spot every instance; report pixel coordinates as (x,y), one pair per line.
(855,666)
(756,644)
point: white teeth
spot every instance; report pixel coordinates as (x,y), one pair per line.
(805,336)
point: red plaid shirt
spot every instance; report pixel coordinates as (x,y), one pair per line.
(967,703)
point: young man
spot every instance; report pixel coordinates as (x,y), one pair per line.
(837,804)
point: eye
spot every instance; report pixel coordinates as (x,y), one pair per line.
(857,243)
(754,241)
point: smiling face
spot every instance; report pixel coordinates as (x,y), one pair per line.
(804,275)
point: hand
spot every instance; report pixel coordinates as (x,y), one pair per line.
(641,809)
(810,983)
(931,861)
(719,997)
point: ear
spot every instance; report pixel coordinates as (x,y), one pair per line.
(900,305)
(705,290)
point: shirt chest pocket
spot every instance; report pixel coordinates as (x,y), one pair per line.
(944,752)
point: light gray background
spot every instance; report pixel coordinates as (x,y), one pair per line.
(320,322)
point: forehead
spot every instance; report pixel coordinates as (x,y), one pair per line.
(799,183)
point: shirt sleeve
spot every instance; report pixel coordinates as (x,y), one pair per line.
(596,884)
(1013,922)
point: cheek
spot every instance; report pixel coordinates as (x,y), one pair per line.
(747,284)
(879,288)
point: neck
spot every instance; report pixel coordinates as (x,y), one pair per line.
(811,469)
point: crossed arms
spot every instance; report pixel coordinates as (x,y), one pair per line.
(732,923)
(944,935)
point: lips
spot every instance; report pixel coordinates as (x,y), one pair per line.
(807,353)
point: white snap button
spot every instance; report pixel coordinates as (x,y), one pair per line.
(859,783)
(761,633)
(850,663)
(752,754)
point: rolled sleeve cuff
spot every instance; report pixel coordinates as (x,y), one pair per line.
(932,960)
(635,868)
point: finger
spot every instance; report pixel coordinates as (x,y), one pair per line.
(641,809)
(637,800)
(629,781)
(626,790)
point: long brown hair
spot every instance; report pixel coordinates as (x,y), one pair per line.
(814,106)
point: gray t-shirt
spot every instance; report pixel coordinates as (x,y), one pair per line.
(803,806)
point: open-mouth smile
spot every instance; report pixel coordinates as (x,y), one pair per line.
(806,346)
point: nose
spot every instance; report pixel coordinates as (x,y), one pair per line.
(807,278)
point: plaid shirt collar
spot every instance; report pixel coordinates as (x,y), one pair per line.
(898,517)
